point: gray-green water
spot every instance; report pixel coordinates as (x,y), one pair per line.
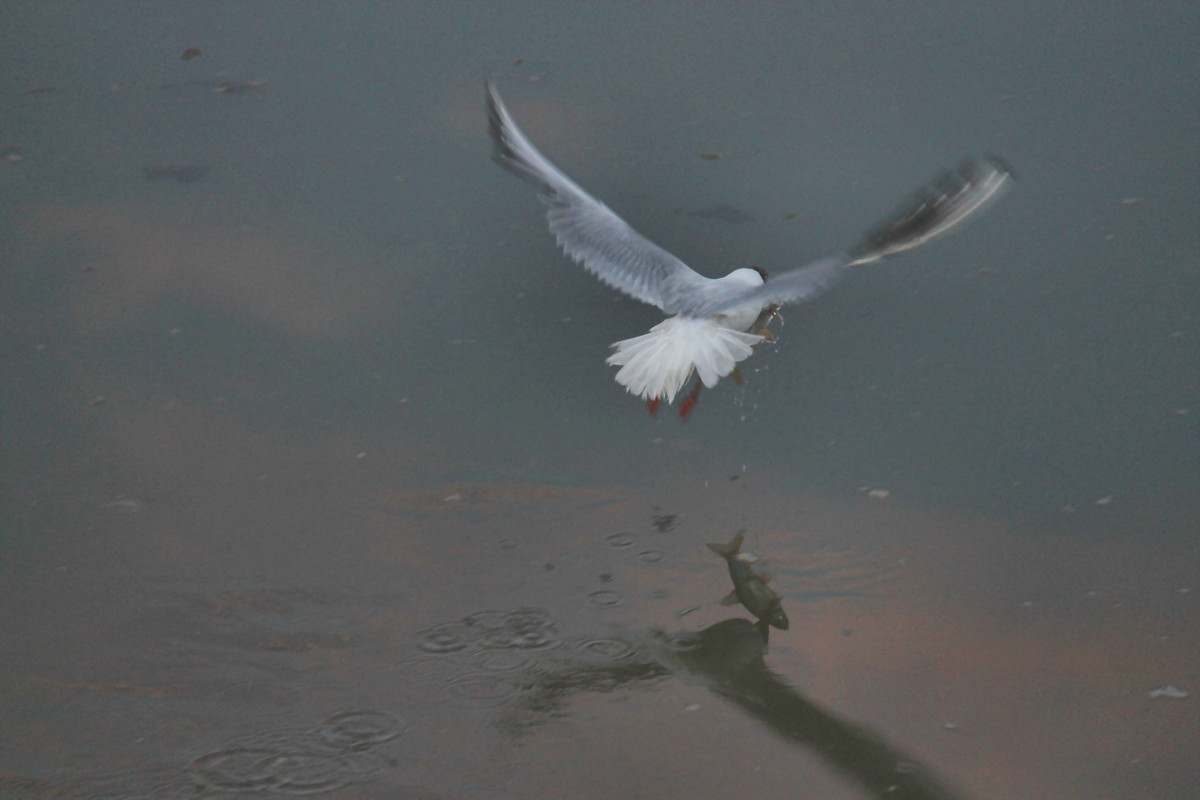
(314,480)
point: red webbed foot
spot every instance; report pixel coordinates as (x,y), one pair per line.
(689,402)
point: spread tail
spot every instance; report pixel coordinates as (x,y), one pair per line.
(658,363)
(728,550)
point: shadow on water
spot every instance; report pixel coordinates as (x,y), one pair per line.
(726,657)
(247,668)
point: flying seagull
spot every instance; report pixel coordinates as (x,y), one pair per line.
(713,323)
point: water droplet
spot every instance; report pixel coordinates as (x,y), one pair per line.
(650,556)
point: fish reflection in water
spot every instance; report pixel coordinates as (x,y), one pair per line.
(749,587)
(726,657)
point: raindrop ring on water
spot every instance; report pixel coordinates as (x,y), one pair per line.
(537,639)
(310,773)
(607,649)
(501,660)
(426,668)
(486,620)
(356,731)
(603,599)
(523,629)
(527,617)
(443,639)
(238,768)
(619,540)
(484,690)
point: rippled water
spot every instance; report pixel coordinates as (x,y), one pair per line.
(315,481)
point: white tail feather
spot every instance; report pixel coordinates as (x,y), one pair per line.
(658,363)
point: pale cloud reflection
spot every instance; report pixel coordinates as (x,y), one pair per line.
(281,277)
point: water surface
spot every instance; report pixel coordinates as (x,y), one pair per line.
(315,481)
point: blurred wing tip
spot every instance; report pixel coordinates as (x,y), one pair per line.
(948,200)
(1000,165)
(506,137)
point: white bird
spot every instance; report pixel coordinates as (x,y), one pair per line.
(714,323)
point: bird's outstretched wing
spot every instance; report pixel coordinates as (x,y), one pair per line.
(938,206)
(935,208)
(621,257)
(587,229)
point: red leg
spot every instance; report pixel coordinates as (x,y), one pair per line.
(652,406)
(737,377)
(689,402)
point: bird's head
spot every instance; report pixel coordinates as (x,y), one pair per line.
(747,276)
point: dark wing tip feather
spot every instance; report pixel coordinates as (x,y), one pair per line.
(950,198)
(511,150)
(1001,164)
(502,152)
